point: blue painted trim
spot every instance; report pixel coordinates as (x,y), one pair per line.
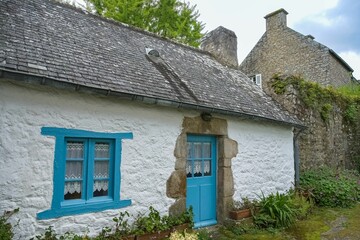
(80,209)
(73,133)
(194,184)
(88,203)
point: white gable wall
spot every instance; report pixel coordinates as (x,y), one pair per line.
(264,162)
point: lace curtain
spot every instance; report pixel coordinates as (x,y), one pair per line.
(102,150)
(75,150)
(72,187)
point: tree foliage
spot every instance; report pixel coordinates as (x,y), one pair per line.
(168,18)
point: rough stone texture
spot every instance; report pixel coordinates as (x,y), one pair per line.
(334,143)
(178,207)
(225,185)
(264,160)
(26,173)
(222,43)
(283,50)
(176,184)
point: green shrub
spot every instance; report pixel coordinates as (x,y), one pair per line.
(5,227)
(144,223)
(276,210)
(322,99)
(332,188)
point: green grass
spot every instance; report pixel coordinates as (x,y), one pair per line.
(320,221)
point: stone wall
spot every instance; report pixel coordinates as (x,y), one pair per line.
(333,142)
(263,155)
(283,50)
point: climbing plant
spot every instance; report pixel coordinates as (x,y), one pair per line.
(322,99)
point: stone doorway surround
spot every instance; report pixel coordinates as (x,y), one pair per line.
(227,149)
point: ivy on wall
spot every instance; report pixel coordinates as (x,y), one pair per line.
(322,99)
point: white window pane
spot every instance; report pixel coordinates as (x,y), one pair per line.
(197,169)
(188,168)
(189,154)
(74,150)
(197,150)
(72,190)
(102,150)
(101,169)
(206,150)
(100,188)
(73,170)
(207,168)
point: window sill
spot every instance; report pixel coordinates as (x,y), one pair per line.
(80,209)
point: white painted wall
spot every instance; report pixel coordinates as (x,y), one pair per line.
(26,157)
(265,161)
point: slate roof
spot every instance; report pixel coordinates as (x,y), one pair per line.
(57,43)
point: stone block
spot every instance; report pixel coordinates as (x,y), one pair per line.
(225,182)
(176,184)
(180,147)
(178,207)
(180,163)
(228,148)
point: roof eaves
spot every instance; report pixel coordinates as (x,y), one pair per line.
(342,61)
(43,80)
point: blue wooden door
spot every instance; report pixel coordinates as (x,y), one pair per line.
(201,178)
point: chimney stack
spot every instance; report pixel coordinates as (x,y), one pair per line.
(222,43)
(276,19)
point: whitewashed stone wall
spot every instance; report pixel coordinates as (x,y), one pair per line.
(264,161)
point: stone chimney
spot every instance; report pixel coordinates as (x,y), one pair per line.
(222,44)
(276,19)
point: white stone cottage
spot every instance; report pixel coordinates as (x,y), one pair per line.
(98,117)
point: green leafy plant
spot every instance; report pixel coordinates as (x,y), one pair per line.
(5,227)
(322,99)
(276,210)
(144,223)
(332,188)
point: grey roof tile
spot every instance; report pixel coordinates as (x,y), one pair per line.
(65,44)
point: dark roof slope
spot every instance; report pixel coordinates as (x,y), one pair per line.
(63,44)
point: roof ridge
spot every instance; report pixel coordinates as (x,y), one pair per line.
(127,26)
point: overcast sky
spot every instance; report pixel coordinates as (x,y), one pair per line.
(334,23)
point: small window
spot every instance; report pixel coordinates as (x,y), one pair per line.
(86,172)
(256,79)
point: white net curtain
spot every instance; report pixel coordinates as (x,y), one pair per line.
(74,169)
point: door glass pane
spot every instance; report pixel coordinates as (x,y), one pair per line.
(206,150)
(189,153)
(102,150)
(101,169)
(100,188)
(72,190)
(197,150)
(207,168)
(197,168)
(188,169)
(74,150)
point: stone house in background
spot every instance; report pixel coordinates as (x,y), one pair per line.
(99,117)
(286,51)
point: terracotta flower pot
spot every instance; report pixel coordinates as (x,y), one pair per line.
(240,214)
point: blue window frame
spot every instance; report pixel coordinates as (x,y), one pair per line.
(87,173)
